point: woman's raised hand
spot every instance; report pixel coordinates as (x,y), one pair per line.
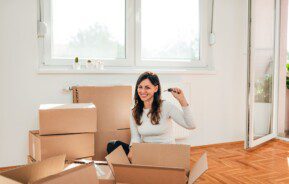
(179,95)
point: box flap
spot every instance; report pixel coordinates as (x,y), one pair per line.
(137,174)
(118,156)
(198,169)
(35,171)
(77,175)
(167,155)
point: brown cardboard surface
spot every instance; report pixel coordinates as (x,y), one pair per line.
(118,156)
(85,160)
(104,174)
(67,118)
(102,138)
(73,145)
(8,181)
(120,168)
(33,172)
(113,104)
(167,155)
(83,174)
(137,174)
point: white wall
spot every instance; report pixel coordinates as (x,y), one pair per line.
(218,100)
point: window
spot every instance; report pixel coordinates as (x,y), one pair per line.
(135,33)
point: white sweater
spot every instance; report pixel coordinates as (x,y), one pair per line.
(162,132)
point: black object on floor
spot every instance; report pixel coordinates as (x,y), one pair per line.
(112,145)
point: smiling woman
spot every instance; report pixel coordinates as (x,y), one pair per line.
(151,117)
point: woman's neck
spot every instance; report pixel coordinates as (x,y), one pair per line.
(148,103)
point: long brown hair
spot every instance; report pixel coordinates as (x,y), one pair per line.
(155,110)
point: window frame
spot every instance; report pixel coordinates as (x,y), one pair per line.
(129,42)
(132,42)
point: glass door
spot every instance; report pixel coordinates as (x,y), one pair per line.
(262,105)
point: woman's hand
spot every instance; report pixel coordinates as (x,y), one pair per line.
(129,155)
(179,95)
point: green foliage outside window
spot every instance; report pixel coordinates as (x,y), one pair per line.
(287,77)
(263,89)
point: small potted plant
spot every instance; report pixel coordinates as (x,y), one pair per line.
(76,64)
(89,64)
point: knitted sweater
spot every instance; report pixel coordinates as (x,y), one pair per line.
(162,132)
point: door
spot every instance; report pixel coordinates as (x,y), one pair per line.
(262,78)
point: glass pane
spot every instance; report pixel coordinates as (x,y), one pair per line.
(170,29)
(263,106)
(88,29)
(262,60)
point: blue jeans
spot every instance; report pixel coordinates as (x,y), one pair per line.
(112,145)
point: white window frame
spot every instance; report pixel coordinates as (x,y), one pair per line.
(129,42)
(133,42)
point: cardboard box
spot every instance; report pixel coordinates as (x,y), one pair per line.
(113,104)
(156,164)
(73,145)
(33,172)
(102,138)
(77,175)
(67,118)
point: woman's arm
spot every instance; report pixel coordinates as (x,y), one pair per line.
(185,117)
(135,136)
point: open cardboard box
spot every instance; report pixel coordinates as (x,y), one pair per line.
(67,118)
(33,172)
(51,171)
(156,164)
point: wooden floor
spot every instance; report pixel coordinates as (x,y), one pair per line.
(230,163)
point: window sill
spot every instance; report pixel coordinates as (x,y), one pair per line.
(127,70)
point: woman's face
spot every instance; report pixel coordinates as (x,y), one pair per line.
(146,90)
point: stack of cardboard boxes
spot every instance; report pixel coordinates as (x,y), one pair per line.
(78,131)
(64,129)
(113,113)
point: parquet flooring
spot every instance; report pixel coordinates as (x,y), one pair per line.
(230,163)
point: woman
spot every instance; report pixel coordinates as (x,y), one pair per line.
(151,116)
